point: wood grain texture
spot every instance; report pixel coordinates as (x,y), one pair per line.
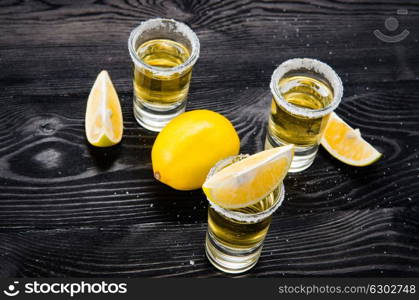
(67,209)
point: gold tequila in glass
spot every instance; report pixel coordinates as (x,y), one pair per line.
(235,236)
(305,92)
(164,52)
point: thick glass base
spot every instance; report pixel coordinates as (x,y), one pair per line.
(155,119)
(231,260)
(303,156)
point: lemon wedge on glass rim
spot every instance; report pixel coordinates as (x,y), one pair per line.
(346,144)
(249,180)
(103,122)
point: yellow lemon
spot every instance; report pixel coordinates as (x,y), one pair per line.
(189,145)
(346,144)
(249,180)
(103,123)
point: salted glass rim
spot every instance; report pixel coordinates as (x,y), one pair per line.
(180,28)
(238,216)
(317,67)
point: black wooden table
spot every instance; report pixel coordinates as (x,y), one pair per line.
(68,209)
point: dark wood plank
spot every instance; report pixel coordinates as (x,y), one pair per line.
(67,209)
(365,243)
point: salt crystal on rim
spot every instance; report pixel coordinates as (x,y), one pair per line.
(312,65)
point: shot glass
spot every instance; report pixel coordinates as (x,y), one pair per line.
(234,238)
(305,91)
(163,52)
